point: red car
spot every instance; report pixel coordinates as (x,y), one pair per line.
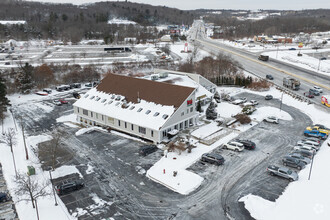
(308,95)
(63,101)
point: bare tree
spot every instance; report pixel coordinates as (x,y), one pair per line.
(83,54)
(58,136)
(10,139)
(30,188)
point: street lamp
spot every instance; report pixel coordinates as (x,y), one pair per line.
(50,174)
(319,64)
(310,169)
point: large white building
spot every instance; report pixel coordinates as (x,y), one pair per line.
(140,107)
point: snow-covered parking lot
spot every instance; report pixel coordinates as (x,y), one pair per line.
(115,178)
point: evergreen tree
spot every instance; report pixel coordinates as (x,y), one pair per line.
(4,102)
(199,106)
(23,79)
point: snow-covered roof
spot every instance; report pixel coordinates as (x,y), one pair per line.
(142,102)
(113,105)
(183,80)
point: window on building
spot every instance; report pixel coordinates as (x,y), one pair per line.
(92,114)
(78,110)
(102,118)
(103,101)
(97,99)
(92,97)
(132,107)
(182,113)
(191,109)
(125,124)
(187,111)
(132,127)
(181,125)
(140,109)
(147,112)
(156,114)
(119,123)
(111,120)
(86,95)
(117,103)
(110,102)
(113,96)
(97,115)
(165,116)
(142,130)
(152,133)
(85,112)
(176,127)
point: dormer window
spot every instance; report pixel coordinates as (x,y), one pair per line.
(97,99)
(132,107)
(103,101)
(165,116)
(117,103)
(140,109)
(86,95)
(110,102)
(113,96)
(91,97)
(156,114)
(147,112)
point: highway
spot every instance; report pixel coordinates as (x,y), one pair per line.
(250,63)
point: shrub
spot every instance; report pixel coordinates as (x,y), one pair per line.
(259,85)
(243,119)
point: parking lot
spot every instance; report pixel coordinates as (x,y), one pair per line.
(117,185)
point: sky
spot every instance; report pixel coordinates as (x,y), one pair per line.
(222,4)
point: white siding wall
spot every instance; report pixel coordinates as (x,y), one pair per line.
(94,118)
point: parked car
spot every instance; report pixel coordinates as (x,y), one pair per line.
(63,101)
(307,148)
(213,158)
(57,102)
(75,85)
(314,92)
(251,102)
(298,156)
(76,95)
(4,197)
(293,162)
(239,101)
(315,133)
(304,153)
(292,48)
(282,172)
(232,145)
(147,149)
(270,77)
(316,148)
(308,95)
(69,186)
(49,91)
(312,139)
(249,145)
(323,58)
(268,97)
(318,89)
(309,142)
(272,119)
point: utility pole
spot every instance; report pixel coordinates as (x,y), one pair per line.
(281,102)
(35,200)
(26,151)
(319,65)
(310,170)
(50,174)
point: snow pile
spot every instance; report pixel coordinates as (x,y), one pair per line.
(12,22)
(185,181)
(206,130)
(88,130)
(67,118)
(99,204)
(64,171)
(263,112)
(226,110)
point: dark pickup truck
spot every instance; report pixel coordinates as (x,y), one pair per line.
(69,186)
(282,172)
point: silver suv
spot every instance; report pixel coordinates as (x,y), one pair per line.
(233,145)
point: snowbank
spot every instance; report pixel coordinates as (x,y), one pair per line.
(64,171)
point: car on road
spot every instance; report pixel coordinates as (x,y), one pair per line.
(298,156)
(147,149)
(62,101)
(57,102)
(233,145)
(4,197)
(323,58)
(249,145)
(268,97)
(308,95)
(292,48)
(314,92)
(270,77)
(304,153)
(69,186)
(213,158)
(272,119)
(282,172)
(318,89)
(293,162)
